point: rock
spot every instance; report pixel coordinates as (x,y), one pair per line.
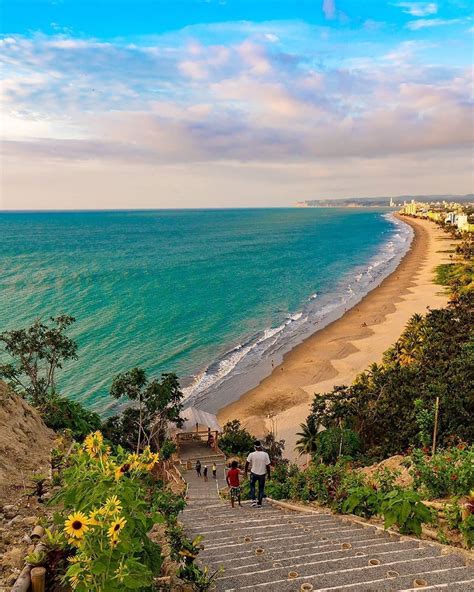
(30,520)
(9,511)
(15,520)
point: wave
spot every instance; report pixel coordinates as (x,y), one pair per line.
(260,353)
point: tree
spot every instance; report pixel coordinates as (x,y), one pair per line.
(37,352)
(235,439)
(273,446)
(156,403)
(307,444)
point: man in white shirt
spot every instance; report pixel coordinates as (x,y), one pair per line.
(259,464)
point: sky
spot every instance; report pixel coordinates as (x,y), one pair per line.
(233,103)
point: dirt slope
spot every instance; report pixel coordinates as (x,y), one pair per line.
(25,444)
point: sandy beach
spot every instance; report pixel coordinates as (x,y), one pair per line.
(343,349)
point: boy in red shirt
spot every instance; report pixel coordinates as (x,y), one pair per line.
(233,482)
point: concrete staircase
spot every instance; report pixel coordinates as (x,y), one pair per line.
(273,549)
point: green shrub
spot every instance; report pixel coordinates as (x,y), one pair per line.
(235,440)
(362,501)
(385,478)
(449,472)
(59,414)
(335,442)
(405,509)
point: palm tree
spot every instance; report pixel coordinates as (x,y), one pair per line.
(307,444)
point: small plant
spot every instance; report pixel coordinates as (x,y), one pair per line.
(38,486)
(202,579)
(362,501)
(405,509)
(36,558)
(424,418)
(449,472)
(386,478)
(467,529)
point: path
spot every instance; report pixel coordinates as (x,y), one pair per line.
(276,550)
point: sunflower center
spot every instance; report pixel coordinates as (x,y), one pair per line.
(117,527)
(77,525)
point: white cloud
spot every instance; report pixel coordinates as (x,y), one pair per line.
(428,23)
(79,104)
(418,8)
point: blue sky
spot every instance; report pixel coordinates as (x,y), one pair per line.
(224,103)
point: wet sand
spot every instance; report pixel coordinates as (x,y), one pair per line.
(343,349)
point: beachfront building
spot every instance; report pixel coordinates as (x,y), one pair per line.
(410,209)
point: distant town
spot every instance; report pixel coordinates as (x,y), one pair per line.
(384,201)
(457,214)
(455,210)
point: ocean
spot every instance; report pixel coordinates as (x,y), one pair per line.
(216,296)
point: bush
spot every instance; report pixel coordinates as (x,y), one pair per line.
(59,413)
(235,440)
(449,472)
(335,442)
(405,509)
(362,501)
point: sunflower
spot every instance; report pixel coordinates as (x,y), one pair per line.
(76,525)
(115,528)
(113,505)
(93,443)
(120,471)
(93,518)
(133,461)
(80,578)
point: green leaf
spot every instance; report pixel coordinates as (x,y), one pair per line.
(404,511)
(389,519)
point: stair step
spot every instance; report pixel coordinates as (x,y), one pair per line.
(303,555)
(340,575)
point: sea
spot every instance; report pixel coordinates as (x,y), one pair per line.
(215,296)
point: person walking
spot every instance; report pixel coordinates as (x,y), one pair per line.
(205,473)
(233,481)
(259,464)
(198,467)
(214,470)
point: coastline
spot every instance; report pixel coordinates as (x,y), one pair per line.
(338,352)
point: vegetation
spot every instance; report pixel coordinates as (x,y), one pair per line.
(37,352)
(448,473)
(235,440)
(106,517)
(156,403)
(431,359)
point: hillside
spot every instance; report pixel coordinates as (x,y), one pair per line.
(25,445)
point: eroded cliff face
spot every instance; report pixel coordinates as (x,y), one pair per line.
(25,444)
(25,450)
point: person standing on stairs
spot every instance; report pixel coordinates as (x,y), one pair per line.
(214,470)
(205,473)
(198,467)
(259,464)
(233,481)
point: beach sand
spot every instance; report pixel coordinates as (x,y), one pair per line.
(343,349)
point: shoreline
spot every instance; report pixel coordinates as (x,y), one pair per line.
(335,354)
(252,360)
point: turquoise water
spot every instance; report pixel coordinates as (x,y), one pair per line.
(205,293)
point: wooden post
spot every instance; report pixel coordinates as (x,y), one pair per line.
(435,429)
(38,579)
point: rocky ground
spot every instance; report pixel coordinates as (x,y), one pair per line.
(25,445)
